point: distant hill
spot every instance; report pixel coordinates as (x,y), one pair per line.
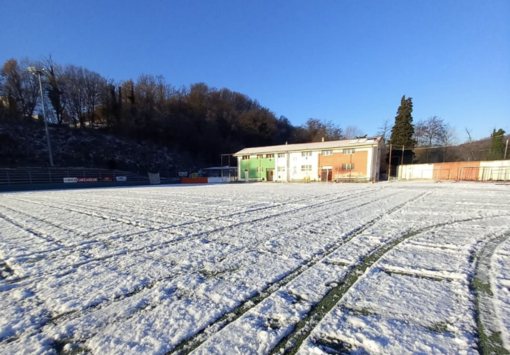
(476,150)
(23,145)
(469,151)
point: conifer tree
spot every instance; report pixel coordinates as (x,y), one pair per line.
(403,129)
(497,144)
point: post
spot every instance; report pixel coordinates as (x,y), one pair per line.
(45,120)
(506,148)
(389,164)
(402,160)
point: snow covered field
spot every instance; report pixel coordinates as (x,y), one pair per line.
(387,268)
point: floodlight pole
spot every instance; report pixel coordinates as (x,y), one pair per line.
(37,72)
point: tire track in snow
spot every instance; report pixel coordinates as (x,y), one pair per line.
(156,246)
(87,203)
(180,238)
(66,229)
(75,314)
(38,234)
(487,322)
(209,219)
(291,343)
(190,344)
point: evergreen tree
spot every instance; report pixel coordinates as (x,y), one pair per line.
(403,129)
(497,144)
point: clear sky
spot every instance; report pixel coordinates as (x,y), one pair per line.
(345,61)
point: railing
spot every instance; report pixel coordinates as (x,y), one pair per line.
(30,176)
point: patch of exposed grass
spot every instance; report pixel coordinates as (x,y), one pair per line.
(413,274)
(208,274)
(481,286)
(491,344)
(439,327)
(365,312)
(60,344)
(33,260)
(333,346)
(5,270)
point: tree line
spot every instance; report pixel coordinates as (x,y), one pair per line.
(197,119)
(201,120)
(433,139)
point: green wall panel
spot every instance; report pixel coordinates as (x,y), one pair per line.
(252,164)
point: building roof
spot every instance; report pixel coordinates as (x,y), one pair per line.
(311,146)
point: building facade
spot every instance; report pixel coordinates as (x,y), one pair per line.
(352,159)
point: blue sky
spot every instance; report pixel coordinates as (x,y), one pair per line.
(345,61)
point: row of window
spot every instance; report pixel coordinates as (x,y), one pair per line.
(303,154)
(305,168)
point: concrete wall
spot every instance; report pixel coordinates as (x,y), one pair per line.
(498,170)
(495,170)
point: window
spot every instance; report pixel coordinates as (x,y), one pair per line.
(281,168)
(260,156)
(306,154)
(270,156)
(260,169)
(327,152)
(348,151)
(246,157)
(348,166)
(306,168)
(281,155)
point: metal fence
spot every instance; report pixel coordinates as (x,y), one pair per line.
(30,176)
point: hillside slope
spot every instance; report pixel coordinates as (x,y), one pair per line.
(23,145)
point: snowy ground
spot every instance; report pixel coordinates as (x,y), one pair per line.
(385,268)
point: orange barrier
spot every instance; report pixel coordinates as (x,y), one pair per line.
(185,180)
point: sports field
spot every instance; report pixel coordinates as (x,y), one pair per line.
(386,268)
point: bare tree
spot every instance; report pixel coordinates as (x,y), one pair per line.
(82,90)
(19,86)
(94,85)
(385,129)
(468,132)
(447,138)
(428,132)
(315,130)
(353,132)
(54,89)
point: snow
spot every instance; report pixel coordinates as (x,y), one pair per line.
(234,268)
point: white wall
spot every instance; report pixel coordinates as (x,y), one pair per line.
(296,160)
(495,170)
(416,171)
(280,162)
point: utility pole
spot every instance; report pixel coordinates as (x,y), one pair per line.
(39,72)
(506,148)
(389,165)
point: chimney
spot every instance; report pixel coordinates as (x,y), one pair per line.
(323,139)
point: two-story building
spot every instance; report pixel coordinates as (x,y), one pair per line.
(349,159)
